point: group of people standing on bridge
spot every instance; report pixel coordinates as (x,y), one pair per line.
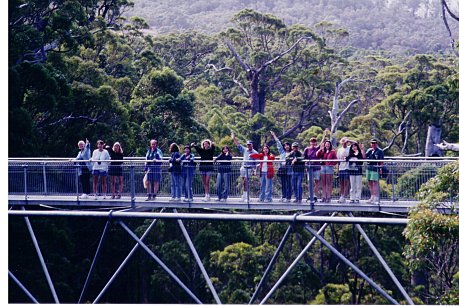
(317,161)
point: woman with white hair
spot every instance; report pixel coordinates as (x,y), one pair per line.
(85,167)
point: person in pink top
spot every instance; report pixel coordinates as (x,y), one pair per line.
(326,152)
(266,173)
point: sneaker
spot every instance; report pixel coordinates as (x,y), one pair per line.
(217,200)
(268,201)
(95,197)
(223,200)
(190,200)
(113,196)
(357,201)
(352,201)
(288,200)
(84,196)
(149,198)
(185,199)
(172,199)
(370,200)
(118,196)
(342,200)
(282,200)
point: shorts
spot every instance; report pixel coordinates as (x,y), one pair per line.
(326,170)
(315,175)
(99,172)
(245,170)
(343,174)
(372,175)
(154,176)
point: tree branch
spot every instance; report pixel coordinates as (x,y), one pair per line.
(237,57)
(71,117)
(401,128)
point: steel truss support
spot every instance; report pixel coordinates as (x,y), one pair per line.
(163,265)
(27,292)
(198,260)
(40,256)
(96,256)
(293,264)
(383,262)
(350,264)
(272,262)
(136,246)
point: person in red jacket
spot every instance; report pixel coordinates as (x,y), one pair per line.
(266,173)
(326,152)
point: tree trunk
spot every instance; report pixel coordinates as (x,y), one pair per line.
(433,137)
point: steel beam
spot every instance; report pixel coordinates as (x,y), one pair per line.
(216,216)
(159,261)
(27,292)
(350,264)
(198,260)
(136,246)
(384,264)
(293,264)
(42,261)
(96,256)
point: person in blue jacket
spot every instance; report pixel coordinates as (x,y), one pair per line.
(85,167)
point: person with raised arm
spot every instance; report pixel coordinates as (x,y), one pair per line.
(247,167)
(343,169)
(206,168)
(84,168)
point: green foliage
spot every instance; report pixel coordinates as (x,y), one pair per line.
(410,182)
(434,237)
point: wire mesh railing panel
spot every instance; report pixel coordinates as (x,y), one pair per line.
(399,180)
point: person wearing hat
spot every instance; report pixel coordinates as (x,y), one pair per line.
(296,160)
(343,169)
(285,171)
(310,153)
(374,169)
(246,167)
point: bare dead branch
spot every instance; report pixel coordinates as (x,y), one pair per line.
(237,57)
(401,129)
(71,117)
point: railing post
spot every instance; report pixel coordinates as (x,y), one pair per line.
(311,186)
(25,181)
(132,176)
(77,185)
(392,180)
(45,183)
(248,184)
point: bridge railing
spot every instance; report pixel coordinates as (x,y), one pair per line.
(400,181)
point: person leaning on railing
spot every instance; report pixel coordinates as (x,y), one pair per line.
(296,161)
(115,170)
(374,169)
(223,168)
(284,172)
(153,169)
(84,168)
(188,169)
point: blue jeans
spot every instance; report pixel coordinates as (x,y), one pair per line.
(222,185)
(297,182)
(266,190)
(187,182)
(175,185)
(286,182)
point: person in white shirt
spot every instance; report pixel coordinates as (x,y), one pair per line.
(343,169)
(100,158)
